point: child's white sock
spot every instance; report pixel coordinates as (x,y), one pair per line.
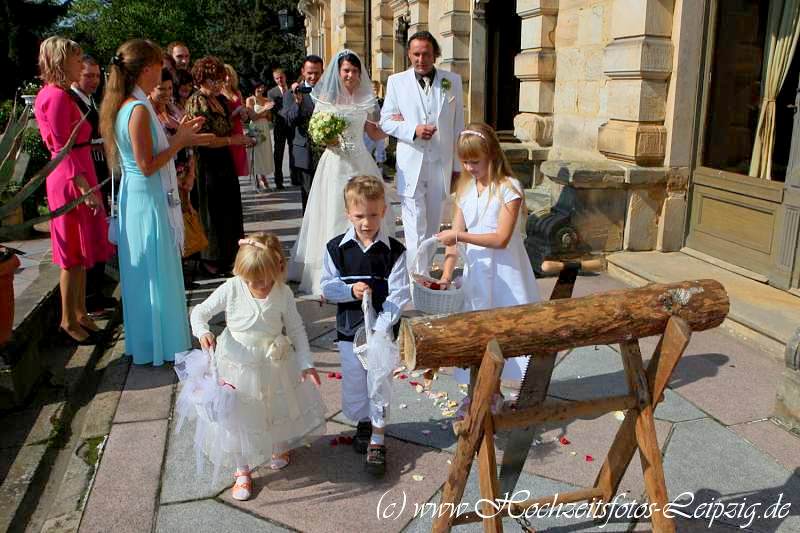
(377,438)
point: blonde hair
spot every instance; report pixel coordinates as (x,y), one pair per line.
(126,67)
(260,262)
(361,189)
(479,141)
(230,72)
(53,54)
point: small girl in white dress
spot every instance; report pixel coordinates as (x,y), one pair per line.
(489,220)
(277,405)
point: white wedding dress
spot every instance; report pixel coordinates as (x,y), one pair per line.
(325,214)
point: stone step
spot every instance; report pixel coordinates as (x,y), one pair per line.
(40,428)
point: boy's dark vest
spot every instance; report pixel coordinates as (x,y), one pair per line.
(372,268)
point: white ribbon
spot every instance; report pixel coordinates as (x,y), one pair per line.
(169,178)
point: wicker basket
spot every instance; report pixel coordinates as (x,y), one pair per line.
(430,301)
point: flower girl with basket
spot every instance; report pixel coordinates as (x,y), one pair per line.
(256,398)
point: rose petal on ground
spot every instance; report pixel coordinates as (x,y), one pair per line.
(426,431)
(334,442)
(331,375)
(564,441)
(417,477)
(619,415)
(420,388)
(403,376)
(413,383)
(402,406)
(589,458)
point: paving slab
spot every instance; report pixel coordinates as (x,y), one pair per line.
(709,463)
(209,516)
(589,372)
(726,378)
(181,480)
(549,458)
(331,480)
(125,490)
(534,486)
(147,394)
(317,318)
(773,439)
(29,426)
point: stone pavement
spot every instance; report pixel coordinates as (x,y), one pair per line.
(718,442)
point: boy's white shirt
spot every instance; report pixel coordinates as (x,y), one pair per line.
(241,311)
(338,289)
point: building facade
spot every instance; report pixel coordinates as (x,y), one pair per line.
(659,124)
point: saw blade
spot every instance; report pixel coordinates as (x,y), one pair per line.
(532,391)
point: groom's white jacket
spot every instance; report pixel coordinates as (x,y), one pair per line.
(403,96)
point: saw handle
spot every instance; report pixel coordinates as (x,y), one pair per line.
(585,265)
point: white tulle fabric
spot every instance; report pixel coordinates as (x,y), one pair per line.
(272,410)
(325,217)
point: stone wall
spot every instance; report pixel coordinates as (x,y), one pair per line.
(580,103)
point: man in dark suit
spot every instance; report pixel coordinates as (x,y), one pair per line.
(82,91)
(282,131)
(297,111)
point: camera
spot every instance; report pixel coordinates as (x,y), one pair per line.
(303,89)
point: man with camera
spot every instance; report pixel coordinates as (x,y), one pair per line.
(297,111)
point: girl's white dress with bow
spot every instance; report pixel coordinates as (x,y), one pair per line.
(274,410)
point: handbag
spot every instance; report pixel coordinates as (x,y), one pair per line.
(194,235)
(112,219)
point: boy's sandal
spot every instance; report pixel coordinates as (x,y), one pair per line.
(279,461)
(242,490)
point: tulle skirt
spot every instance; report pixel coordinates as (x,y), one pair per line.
(272,410)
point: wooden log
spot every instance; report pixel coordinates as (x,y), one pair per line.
(485,385)
(608,318)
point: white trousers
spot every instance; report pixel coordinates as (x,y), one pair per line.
(356,404)
(422,212)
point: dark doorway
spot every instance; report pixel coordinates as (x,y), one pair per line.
(503,33)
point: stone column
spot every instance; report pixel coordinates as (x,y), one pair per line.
(351,30)
(382,41)
(418,16)
(476,96)
(454,28)
(638,63)
(400,18)
(535,66)
(314,33)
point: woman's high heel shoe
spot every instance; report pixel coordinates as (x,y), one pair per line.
(68,339)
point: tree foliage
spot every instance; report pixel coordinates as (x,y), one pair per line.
(244,33)
(22,24)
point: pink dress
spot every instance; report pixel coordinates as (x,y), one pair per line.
(78,236)
(239,153)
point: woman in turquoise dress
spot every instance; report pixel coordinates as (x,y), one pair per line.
(150,231)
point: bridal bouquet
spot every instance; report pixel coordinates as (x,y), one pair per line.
(253,131)
(325,128)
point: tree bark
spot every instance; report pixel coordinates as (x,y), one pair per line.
(607,318)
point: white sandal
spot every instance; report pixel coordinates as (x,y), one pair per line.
(242,488)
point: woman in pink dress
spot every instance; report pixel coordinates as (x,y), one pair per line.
(238,112)
(80,236)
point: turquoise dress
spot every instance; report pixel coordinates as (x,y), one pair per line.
(153,299)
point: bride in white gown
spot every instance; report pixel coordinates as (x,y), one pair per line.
(346,91)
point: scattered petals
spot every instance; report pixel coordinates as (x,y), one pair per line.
(619,415)
(589,458)
(417,477)
(420,388)
(343,439)
(413,383)
(573,453)
(331,375)
(334,442)
(338,375)
(402,406)
(403,376)
(564,441)
(426,431)
(449,462)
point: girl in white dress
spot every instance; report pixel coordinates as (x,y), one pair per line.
(277,406)
(260,155)
(489,221)
(345,90)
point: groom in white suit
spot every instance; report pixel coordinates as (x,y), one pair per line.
(424,110)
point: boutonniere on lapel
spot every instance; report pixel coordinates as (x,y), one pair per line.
(445,85)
